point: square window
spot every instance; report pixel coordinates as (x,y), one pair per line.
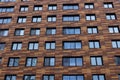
(3,32)
(24,8)
(31,61)
(108,5)
(19,32)
(29,77)
(38,8)
(96,61)
(90,17)
(51,18)
(51,31)
(52,7)
(2,46)
(36,19)
(35,31)
(16,46)
(50,45)
(94,44)
(92,30)
(49,61)
(98,77)
(21,20)
(13,62)
(111,16)
(89,5)
(33,46)
(10,77)
(113,29)
(115,43)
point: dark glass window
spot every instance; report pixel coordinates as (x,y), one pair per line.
(48,77)
(2,46)
(13,62)
(49,61)
(35,31)
(51,31)
(31,61)
(19,32)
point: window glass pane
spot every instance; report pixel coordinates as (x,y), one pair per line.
(34,62)
(79,61)
(53,31)
(14,46)
(51,77)
(16,62)
(78,45)
(30,46)
(72,61)
(66,78)
(77,31)
(93,61)
(52,61)
(114,44)
(99,61)
(36,45)
(47,45)
(52,45)
(116,30)
(37,32)
(47,62)
(111,30)
(13,78)
(45,77)
(11,62)
(66,61)
(29,62)
(19,46)
(80,78)
(118,44)
(113,16)
(91,45)
(97,45)
(101,77)
(95,77)
(72,77)
(22,32)
(94,30)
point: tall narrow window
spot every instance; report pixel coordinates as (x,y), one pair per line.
(49,61)
(117,60)
(13,62)
(72,45)
(31,61)
(16,45)
(72,61)
(33,46)
(94,44)
(3,32)
(2,46)
(96,61)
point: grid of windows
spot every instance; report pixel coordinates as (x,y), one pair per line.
(70,6)
(33,46)
(72,61)
(7,9)
(5,20)
(13,62)
(31,61)
(19,32)
(96,60)
(52,7)
(48,77)
(10,77)
(49,61)
(71,30)
(38,8)
(94,44)
(73,77)
(3,32)
(72,44)
(71,18)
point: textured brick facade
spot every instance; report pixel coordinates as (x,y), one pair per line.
(109,68)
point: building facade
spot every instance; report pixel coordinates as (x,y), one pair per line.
(59,40)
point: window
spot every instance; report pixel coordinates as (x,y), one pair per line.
(111,16)
(36,19)
(90,17)
(92,30)
(73,77)
(71,30)
(33,46)
(29,77)
(96,61)
(35,31)
(89,5)
(13,62)
(10,77)
(38,8)
(72,61)
(108,5)
(115,43)
(31,61)
(119,77)
(50,45)
(16,45)
(19,32)
(52,7)
(24,0)
(7,0)
(21,19)
(0,60)
(7,9)
(72,45)
(24,8)
(98,77)
(49,77)
(5,20)
(94,44)
(49,61)
(70,6)
(2,46)
(71,17)
(113,29)
(51,31)
(3,32)
(51,18)
(117,60)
